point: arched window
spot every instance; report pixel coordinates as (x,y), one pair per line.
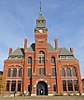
(9,72)
(53,60)
(41,57)
(42,71)
(63,72)
(68,72)
(29,60)
(20,72)
(14,74)
(74,71)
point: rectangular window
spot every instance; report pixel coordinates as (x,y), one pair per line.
(53,72)
(7,85)
(19,86)
(70,87)
(43,60)
(64,85)
(13,86)
(62,57)
(76,85)
(41,71)
(39,60)
(29,72)
(29,88)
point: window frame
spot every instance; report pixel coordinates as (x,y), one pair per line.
(64,85)
(41,71)
(41,57)
(29,60)
(20,72)
(19,85)
(9,72)
(76,85)
(52,60)
(70,85)
(14,72)
(68,71)
(74,72)
(53,72)
(63,72)
(8,85)
(13,85)
(29,72)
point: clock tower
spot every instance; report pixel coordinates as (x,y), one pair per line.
(40,32)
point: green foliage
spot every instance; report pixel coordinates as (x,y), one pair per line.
(61,94)
(68,94)
(80,94)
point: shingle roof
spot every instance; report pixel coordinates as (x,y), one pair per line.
(18,52)
(40,18)
(50,48)
(31,48)
(64,51)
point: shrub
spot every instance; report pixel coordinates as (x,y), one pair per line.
(68,94)
(61,94)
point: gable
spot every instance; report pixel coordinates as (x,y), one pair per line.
(17,52)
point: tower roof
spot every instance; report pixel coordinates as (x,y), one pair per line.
(41,22)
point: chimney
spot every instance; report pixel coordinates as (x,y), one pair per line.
(56,44)
(10,51)
(25,44)
(71,50)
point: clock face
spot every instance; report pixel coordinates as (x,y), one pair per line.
(40,31)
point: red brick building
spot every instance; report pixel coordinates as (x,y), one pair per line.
(42,69)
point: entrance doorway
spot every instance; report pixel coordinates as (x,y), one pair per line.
(42,88)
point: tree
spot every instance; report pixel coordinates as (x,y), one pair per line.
(2,84)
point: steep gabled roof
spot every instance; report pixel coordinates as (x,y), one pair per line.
(64,51)
(31,48)
(17,52)
(50,48)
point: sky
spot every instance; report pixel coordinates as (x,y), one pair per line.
(64,20)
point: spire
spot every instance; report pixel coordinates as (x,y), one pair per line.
(41,22)
(40,7)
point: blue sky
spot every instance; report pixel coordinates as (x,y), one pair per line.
(65,20)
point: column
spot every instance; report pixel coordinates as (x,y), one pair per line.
(73,85)
(10,85)
(67,85)
(17,72)
(21,85)
(16,85)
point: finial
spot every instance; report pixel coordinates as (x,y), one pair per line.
(40,7)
